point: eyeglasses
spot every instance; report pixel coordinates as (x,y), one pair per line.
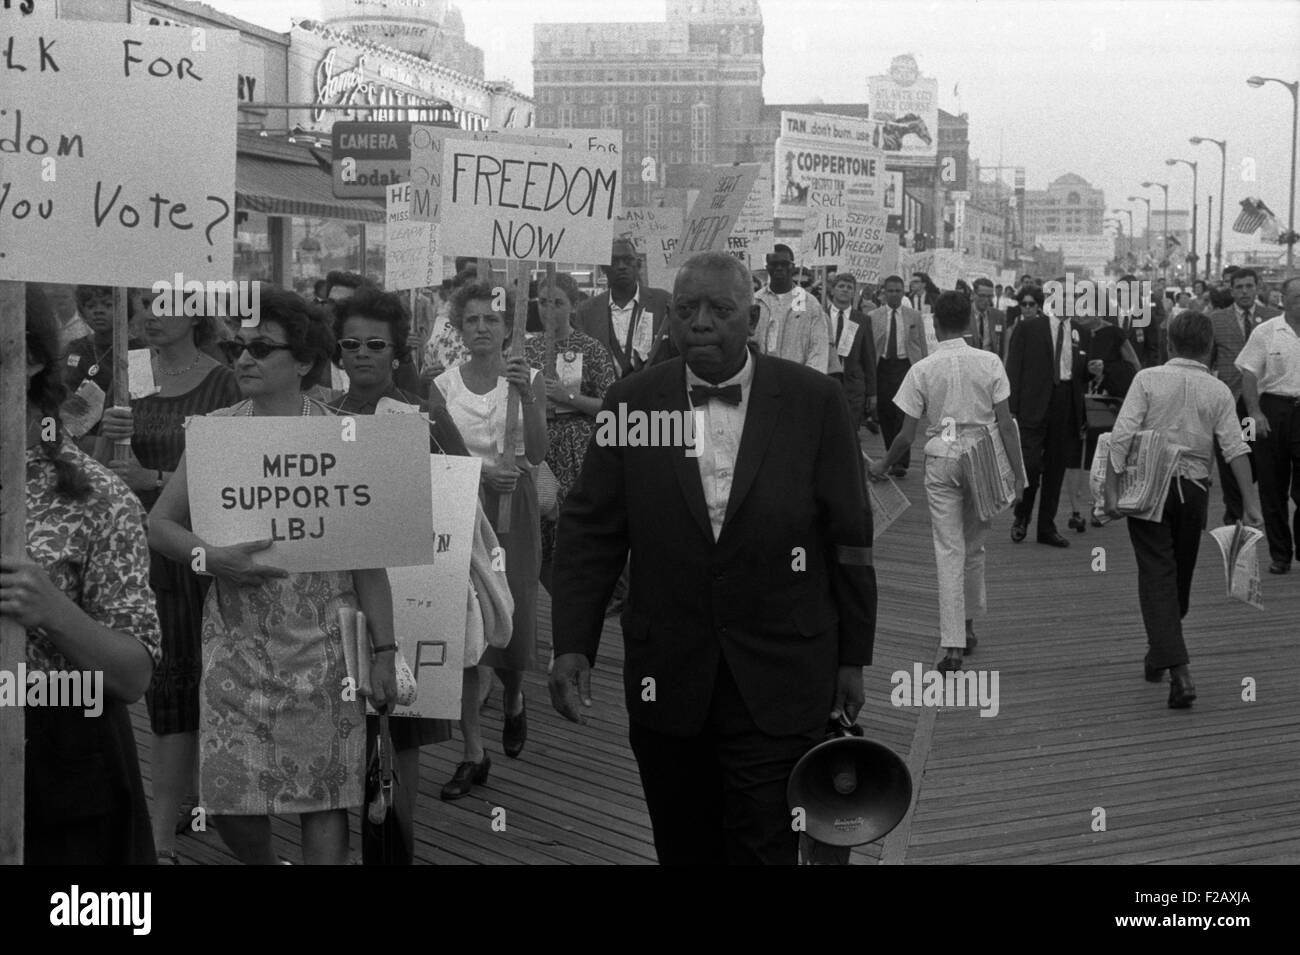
(372,344)
(258,349)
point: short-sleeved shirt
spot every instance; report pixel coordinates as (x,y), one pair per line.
(1272,355)
(957,382)
(94,550)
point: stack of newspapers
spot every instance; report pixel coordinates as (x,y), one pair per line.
(1150,468)
(988,471)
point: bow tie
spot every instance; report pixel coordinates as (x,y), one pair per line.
(701,394)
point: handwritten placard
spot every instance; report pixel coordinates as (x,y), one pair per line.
(117,152)
(516,201)
(867,245)
(327,491)
(429,602)
(715,210)
(823,234)
(411,256)
(654,234)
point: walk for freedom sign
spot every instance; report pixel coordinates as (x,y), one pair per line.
(330,493)
(96,164)
(516,201)
(824,153)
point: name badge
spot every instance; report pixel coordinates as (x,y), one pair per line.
(568,368)
(393,406)
(848,335)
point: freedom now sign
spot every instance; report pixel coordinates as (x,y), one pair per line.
(518,201)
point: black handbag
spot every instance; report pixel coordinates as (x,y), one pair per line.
(384,837)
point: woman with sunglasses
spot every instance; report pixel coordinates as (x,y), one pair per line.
(577,370)
(477,395)
(272,740)
(373,331)
(189,383)
(81,593)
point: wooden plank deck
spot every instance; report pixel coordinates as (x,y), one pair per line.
(1078,729)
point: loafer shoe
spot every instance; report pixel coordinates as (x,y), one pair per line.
(1053,540)
(1181,692)
(1280,567)
(467,776)
(514,732)
(949,664)
(1018,532)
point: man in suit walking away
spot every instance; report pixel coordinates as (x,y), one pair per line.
(752,607)
(1232,328)
(1047,363)
(853,349)
(628,319)
(900,343)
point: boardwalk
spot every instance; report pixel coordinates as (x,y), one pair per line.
(1078,731)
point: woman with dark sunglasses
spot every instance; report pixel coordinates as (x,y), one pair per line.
(372,328)
(270,741)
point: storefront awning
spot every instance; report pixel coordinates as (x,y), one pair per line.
(282,181)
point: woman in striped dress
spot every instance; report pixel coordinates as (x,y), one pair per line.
(189,383)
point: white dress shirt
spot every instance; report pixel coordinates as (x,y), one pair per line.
(621,318)
(1067,350)
(957,382)
(718,428)
(1272,355)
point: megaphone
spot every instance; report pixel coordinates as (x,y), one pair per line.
(852,790)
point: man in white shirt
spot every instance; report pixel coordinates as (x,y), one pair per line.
(791,322)
(1270,383)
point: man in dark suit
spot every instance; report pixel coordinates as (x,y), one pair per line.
(987,324)
(753,600)
(628,319)
(853,350)
(898,334)
(1047,363)
(1232,327)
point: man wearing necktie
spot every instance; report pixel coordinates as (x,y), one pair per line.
(1047,365)
(852,351)
(628,319)
(899,339)
(1232,329)
(752,605)
(987,324)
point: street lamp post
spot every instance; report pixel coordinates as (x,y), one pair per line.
(1192,163)
(1165,230)
(1258,81)
(1223,181)
(1148,234)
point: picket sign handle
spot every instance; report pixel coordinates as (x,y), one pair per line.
(121,394)
(521,277)
(13,543)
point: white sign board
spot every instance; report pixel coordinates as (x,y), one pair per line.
(818,152)
(654,234)
(429,602)
(328,492)
(715,210)
(411,256)
(516,201)
(867,245)
(117,153)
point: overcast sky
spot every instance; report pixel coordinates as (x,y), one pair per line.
(1107,90)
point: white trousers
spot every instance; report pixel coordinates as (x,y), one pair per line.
(958,548)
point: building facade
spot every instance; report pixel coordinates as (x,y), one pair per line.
(431,30)
(1068,206)
(686,92)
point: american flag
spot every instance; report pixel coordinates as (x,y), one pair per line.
(1253,215)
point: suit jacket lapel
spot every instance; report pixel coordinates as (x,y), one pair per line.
(760,422)
(673,398)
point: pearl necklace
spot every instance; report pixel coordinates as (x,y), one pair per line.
(306,408)
(171,374)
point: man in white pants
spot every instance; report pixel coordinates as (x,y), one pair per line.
(960,390)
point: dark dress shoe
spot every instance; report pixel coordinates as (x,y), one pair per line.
(949,664)
(1094,522)
(1018,531)
(1181,691)
(1075,523)
(467,776)
(1280,567)
(1152,674)
(1053,540)
(514,732)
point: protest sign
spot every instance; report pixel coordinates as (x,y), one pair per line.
(429,602)
(654,234)
(819,152)
(823,236)
(74,94)
(867,246)
(517,201)
(326,491)
(755,225)
(411,256)
(714,212)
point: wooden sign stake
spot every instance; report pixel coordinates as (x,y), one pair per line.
(13,543)
(521,278)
